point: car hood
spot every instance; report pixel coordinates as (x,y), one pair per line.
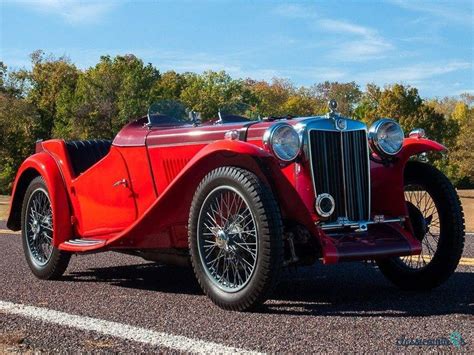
(137,133)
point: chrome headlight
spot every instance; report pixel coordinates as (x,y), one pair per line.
(282,141)
(386,137)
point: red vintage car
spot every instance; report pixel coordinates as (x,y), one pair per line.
(241,199)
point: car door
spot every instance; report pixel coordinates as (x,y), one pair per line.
(104,200)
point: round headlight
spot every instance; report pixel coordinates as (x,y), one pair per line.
(386,137)
(282,141)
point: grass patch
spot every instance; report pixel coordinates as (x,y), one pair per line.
(467,201)
(4,207)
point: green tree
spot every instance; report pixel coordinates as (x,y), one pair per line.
(210,91)
(49,78)
(399,102)
(347,95)
(109,95)
(18,126)
(462,154)
(169,86)
(367,109)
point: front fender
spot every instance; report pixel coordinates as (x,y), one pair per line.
(42,164)
(414,146)
(387,181)
(164,224)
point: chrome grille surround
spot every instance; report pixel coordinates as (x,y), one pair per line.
(357,188)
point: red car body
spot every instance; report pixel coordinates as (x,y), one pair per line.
(137,197)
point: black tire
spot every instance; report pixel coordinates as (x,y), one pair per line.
(54,265)
(450,233)
(266,217)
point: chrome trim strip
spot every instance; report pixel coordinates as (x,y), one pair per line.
(164,145)
(83,242)
(369,179)
(343,163)
(357,225)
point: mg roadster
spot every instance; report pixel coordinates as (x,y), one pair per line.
(242,199)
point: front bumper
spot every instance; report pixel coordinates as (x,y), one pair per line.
(378,241)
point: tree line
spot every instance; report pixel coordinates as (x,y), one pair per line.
(55,99)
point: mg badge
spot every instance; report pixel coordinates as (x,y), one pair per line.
(341,124)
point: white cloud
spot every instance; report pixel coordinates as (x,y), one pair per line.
(417,74)
(338,26)
(464,91)
(359,43)
(294,11)
(453,12)
(71,11)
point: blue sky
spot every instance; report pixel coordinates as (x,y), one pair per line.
(427,44)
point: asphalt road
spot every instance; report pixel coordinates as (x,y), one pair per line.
(346,307)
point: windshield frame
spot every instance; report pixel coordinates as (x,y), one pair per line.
(170,113)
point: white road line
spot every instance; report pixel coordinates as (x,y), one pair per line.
(119,330)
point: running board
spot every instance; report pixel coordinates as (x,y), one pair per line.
(82,245)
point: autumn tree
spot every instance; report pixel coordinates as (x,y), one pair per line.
(56,99)
(272,96)
(347,95)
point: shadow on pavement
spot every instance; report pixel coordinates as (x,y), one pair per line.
(357,289)
(347,289)
(151,277)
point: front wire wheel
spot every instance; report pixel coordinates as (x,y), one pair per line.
(425,220)
(235,238)
(227,239)
(438,223)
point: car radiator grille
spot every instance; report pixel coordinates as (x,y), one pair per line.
(340,167)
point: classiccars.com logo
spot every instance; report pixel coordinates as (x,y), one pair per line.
(455,339)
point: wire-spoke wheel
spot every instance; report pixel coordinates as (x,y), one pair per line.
(235,238)
(425,221)
(39,227)
(44,260)
(227,239)
(438,223)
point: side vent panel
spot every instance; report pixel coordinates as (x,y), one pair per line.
(173,166)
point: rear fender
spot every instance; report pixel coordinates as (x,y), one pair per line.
(164,224)
(42,164)
(387,181)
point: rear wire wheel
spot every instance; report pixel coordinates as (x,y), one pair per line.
(438,223)
(44,259)
(235,238)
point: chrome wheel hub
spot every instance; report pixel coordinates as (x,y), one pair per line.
(35,229)
(227,239)
(222,240)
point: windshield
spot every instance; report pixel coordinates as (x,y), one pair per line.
(237,112)
(171,112)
